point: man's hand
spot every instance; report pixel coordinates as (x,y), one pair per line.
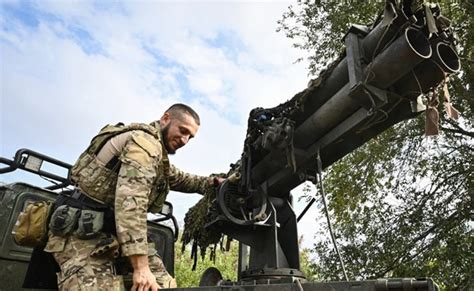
(143,278)
(218,180)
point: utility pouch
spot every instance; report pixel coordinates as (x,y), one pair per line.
(31,227)
(64,220)
(89,224)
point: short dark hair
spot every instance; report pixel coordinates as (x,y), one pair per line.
(176,110)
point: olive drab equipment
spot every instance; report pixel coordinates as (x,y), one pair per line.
(98,181)
(31,227)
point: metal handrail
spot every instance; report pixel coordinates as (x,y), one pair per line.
(19,162)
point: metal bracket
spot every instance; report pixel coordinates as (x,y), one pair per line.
(369,97)
(354,57)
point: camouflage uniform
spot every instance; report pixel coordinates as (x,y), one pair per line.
(138,184)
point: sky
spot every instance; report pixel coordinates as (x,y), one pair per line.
(70,67)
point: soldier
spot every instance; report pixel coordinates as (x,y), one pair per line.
(122,175)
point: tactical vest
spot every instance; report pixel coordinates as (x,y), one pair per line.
(99,182)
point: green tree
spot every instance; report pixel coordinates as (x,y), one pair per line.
(306,266)
(225,261)
(401,204)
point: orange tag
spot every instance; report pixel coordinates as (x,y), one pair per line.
(431,123)
(432,115)
(450,110)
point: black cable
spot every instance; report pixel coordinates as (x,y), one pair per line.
(305,209)
(321,188)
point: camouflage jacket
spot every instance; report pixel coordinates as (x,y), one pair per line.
(137,184)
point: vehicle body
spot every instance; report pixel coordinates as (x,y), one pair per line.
(14,198)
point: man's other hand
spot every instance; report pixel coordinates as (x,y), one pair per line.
(143,278)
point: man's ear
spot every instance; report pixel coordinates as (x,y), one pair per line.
(165,119)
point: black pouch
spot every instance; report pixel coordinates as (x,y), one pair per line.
(84,202)
(90,223)
(64,220)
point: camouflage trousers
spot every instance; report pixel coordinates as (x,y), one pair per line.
(81,271)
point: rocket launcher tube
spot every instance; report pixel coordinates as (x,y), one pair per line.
(446,57)
(397,60)
(372,44)
(429,73)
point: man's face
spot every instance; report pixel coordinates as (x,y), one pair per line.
(177,131)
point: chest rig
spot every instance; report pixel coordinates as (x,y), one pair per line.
(99,181)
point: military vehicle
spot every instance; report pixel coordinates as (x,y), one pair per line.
(15,197)
(376,83)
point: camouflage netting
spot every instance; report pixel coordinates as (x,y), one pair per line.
(195,220)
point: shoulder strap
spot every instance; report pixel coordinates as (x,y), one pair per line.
(109,131)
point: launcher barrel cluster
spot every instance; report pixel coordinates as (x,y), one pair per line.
(374,85)
(377,83)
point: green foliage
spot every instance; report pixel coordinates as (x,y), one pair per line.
(407,213)
(401,204)
(306,266)
(320,26)
(225,261)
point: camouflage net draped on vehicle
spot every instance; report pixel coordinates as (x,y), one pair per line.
(194,221)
